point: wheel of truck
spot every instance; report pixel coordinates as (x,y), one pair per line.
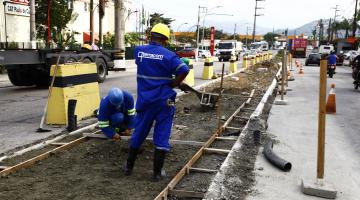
(21,77)
(70,60)
(101,70)
(86,60)
(42,78)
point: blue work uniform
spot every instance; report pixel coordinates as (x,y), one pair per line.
(111,118)
(156,67)
(332,59)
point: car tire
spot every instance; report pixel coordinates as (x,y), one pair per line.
(101,70)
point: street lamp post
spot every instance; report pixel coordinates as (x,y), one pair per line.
(177,30)
(6,36)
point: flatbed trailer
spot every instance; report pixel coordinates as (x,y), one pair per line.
(27,67)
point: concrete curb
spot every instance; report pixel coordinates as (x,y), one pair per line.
(47,142)
(216,189)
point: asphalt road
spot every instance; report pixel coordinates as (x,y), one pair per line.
(21,108)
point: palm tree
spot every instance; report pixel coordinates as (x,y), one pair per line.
(346,25)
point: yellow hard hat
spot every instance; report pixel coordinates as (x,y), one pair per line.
(87,46)
(161,29)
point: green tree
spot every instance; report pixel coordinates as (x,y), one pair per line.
(270,37)
(158,18)
(131,38)
(60,16)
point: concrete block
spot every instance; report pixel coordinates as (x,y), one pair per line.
(319,188)
(281,102)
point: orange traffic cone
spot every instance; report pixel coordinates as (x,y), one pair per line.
(297,63)
(331,101)
(301,71)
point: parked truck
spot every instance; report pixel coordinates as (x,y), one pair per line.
(297,47)
(228,48)
(27,67)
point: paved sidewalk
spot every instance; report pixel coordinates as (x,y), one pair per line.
(295,127)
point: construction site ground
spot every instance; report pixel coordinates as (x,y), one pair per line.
(92,170)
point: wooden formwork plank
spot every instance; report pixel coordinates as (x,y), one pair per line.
(202,170)
(43,156)
(219,151)
(232,128)
(251,95)
(187,194)
(125,138)
(227,138)
(58,143)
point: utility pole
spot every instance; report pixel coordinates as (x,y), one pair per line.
(91,21)
(234,32)
(354,21)
(333,28)
(119,34)
(246,38)
(32,24)
(256,15)
(329,30)
(198,35)
(101,15)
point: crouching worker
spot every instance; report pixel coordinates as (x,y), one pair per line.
(116,115)
(156,67)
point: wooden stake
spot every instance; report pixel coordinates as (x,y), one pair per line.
(219,99)
(322,117)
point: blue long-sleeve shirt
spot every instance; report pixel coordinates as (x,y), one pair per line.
(156,67)
(106,110)
(331,59)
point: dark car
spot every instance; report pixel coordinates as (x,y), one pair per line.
(313,58)
(340,59)
(187,53)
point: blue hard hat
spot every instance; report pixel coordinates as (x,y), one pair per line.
(116,97)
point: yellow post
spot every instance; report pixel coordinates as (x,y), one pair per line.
(208,69)
(190,78)
(253,60)
(245,62)
(233,64)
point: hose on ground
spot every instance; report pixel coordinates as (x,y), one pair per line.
(275,159)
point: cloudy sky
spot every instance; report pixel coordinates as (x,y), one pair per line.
(278,14)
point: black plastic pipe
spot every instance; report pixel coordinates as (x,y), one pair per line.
(72,118)
(274,159)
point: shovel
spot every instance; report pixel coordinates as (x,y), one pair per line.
(41,129)
(206,98)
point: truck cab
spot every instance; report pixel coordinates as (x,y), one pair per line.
(229,48)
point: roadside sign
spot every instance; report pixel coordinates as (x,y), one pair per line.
(212,40)
(17,9)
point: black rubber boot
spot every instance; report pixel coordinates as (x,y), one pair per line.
(129,165)
(159,158)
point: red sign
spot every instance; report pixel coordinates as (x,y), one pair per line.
(25,2)
(212,40)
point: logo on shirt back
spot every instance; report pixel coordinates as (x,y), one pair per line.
(142,55)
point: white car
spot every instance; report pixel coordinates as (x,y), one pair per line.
(204,53)
(352,55)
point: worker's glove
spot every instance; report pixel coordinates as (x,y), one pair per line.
(116,137)
(127,132)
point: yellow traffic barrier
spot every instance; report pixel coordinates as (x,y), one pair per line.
(208,70)
(253,60)
(190,79)
(266,55)
(245,63)
(233,64)
(73,81)
(257,60)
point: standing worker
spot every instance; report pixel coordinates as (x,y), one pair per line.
(156,67)
(116,114)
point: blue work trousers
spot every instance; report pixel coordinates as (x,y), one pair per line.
(160,113)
